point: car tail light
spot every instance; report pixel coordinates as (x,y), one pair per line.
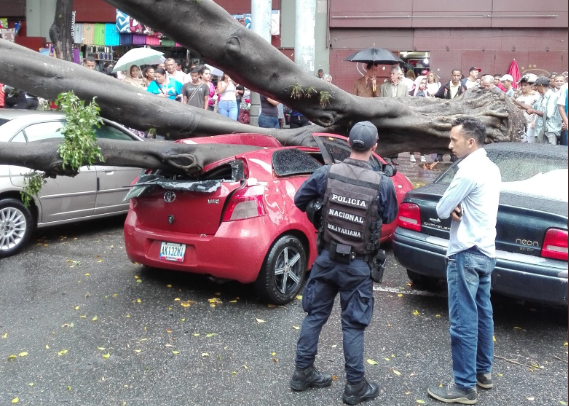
(555,244)
(245,203)
(409,216)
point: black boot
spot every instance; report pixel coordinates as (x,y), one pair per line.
(310,377)
(355,393)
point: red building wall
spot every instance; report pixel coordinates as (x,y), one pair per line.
(490,49)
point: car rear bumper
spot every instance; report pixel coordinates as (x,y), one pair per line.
(236,251)
(520,276)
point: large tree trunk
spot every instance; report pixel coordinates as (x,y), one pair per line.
(187,159)
(416,124)
(253,62)
(60,31)
(128,105)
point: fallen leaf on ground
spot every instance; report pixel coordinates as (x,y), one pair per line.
(299,297)
(76,307)
(95,318)
(138,301)
(437,315)
(62,352)
(15,400)
(494,338)
(530,398)
(233,301)
(296,327)
(205,354)
(415,313)
(387,359)
(137,351)
(400,294)
(5,335)
(396,372)
(11,357)
(211,335)
(107,355)
(196,334)
(372,362)
(175,352)
(47,347)
(260,320)
(139,280)
(185,304)
(101,348)
(421,402)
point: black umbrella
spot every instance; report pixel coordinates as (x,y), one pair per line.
(377,55)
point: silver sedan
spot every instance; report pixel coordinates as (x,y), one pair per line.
(97,191)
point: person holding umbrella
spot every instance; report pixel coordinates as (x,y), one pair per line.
(366,86)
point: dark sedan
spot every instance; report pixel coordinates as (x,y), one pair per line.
(531,241)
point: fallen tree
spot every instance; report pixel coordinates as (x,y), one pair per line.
(417,124)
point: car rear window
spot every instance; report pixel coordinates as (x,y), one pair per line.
(292,161)
(533,175)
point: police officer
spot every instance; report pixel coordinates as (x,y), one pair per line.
(356,201)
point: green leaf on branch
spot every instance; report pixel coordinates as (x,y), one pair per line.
(33,183)
(79,147)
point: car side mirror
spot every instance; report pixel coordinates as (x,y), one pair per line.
(389,170)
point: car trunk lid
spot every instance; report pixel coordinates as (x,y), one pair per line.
(191,206)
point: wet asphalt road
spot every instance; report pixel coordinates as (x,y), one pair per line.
(72,297)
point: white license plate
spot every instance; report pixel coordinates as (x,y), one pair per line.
(172,252)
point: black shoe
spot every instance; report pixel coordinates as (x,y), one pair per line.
(310,377)
(355,393)
(484,380)
(453,394)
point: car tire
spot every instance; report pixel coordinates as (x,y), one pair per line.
(422,281)
(283,272)
(16,226)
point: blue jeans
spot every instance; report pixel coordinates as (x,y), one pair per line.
(228,108)
(268,121)
(353,282)
(470,313)
(564,137)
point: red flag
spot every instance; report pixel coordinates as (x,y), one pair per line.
(515,72)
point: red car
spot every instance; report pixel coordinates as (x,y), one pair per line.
(237,220)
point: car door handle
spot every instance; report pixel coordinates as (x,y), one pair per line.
(109,171)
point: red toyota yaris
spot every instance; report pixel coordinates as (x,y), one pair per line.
(237,220)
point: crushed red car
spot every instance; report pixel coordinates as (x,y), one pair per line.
(237,219)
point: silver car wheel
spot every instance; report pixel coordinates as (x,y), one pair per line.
(288,270)
(13,226)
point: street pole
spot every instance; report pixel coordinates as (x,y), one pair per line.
(260,24)
(304,41)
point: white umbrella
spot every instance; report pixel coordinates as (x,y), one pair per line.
(214,71)
(139,56)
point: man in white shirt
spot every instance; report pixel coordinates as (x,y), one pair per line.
(472,201)
(471,80)
(172,72)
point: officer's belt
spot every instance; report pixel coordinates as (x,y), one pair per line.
(365,257)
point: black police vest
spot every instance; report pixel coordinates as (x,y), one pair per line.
(350,208)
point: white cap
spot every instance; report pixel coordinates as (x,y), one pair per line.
(507,77)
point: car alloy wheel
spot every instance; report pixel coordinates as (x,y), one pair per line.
(283,271)
(15,226)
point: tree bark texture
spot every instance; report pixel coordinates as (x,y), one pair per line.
(47,77)
(60,31)
(256,64)
(189,159)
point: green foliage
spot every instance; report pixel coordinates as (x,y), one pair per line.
(79,146)
(325,98)
(309,91)
(33,183)
(297,91)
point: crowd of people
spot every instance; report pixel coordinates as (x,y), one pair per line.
(543,99)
